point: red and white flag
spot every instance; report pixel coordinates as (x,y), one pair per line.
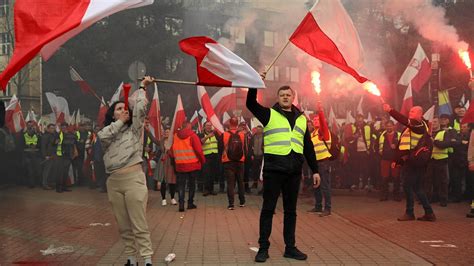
(154,115)
(429,114)
(102,111)
(254,122)
(178,119)
(333,120)
(225,118)
(407,103)
(418,71)
(117,94)
(31,116)
(195,121)
(224,99)
(349,118)
(206,105)
(43,26)
(85,88)
(14,119)
(327,33)
(218,66)
(59,106)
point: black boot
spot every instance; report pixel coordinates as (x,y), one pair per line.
(262,255)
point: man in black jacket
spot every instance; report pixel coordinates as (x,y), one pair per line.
(286,140)
(411,172)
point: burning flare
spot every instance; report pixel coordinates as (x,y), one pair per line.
(465,58)
(316,81)
(372,88)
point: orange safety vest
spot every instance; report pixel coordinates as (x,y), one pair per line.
(226,141)
(183,151)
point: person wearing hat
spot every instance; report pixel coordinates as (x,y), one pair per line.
(287,143)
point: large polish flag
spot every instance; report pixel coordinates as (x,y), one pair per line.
(327,33)
(418,70)
(218,66)
(178,119)
(14,119)
(223,100)
(154,115)
(43,26)
(206,105)
(407,103)
(85,88)
(59,106)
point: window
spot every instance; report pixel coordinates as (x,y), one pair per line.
(292,74)
(145,21)
(269,38)
(4,8)
(5,43)
(174,26)
(273,73)
(237,34)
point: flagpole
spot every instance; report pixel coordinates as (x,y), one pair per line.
(173,81)
(277,56)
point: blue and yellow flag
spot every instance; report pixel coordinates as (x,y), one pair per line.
(444,106)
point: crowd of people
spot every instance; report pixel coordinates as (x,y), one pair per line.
(432,159)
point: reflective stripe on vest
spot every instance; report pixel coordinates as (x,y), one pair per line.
(183,150)
(59,149)
(31,140)
(409,140)
(279,138)
(438,153)
(210,146)
(320,148)
(382,140)
(457,125)
(366,134)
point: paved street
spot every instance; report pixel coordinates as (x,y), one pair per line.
(361,230)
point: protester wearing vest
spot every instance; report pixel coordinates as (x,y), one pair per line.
(121,140)
(233,167)
(322,140)
(48,155)
(360,142)
(459,112)
(470,183)
(66,151)
(189,158)
(210,169)
(256,153)
(438,168)
(31,155)
(387,146)
(286,144)
(411,174)
(460,166)
(82,134)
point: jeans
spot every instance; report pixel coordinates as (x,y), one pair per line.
(324,190)
(181,179)
(273,184)
(234,172)
(412,177)
(210,171)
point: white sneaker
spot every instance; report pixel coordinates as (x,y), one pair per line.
(163,203)
(173,202)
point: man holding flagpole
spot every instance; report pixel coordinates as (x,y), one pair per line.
(286,144)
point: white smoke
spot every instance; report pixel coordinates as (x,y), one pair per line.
(429,20)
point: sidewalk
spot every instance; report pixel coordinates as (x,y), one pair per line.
(360,231)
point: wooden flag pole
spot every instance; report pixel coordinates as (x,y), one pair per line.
(173,81)
(276,57)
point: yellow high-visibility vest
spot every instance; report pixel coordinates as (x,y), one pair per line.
(320,148)
(438,153)
(30,140)
(409,140)
(59,149)
(210,146)
(382,140)
(279,138)
(366,134)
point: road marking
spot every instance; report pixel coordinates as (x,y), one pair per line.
(444,246)
(431,241)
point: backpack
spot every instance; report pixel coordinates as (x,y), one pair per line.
(335,149)
(235,147)
(9,141)
(421,154)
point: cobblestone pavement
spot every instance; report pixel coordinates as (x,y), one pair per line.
(361,230)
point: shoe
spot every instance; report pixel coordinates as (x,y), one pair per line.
(66,190)
(470,214)
(181,209)
(213,193)
(174,202)
(163,203)
(205,194)
(443,204)
(248,191)
(353,187)
(316,210)
(294,253)
(430,217)
(262,255)
(384,198)
(230,207)
(129,263)
(242,205)
(59,191)
(191,206)
(325,213)
(47,188)
(406,217)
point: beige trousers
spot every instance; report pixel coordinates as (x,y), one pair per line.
(128,195)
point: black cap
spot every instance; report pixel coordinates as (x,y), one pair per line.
(445,116)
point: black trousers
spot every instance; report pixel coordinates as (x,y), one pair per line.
(31,161)
(61,171)
(78,172)
(181,179)
(412,184)
(274,183)
(210,171)
(234,173)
